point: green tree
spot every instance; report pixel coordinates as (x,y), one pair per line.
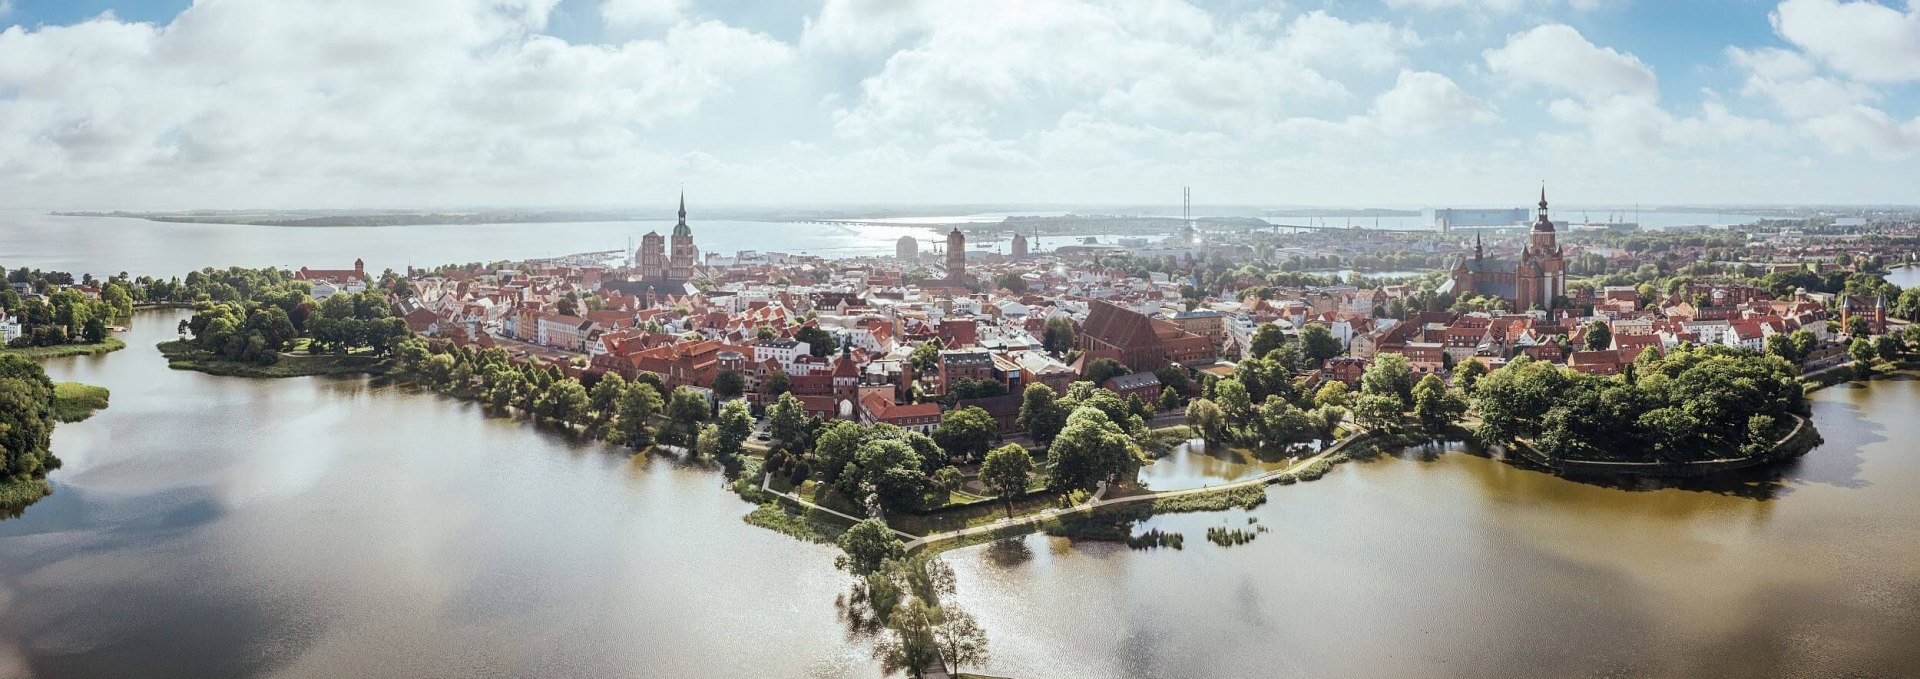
(819,343)
(1378,412)
(787,420)
(962,641)
(1857,326)
(1090,450)
(1099,370)
(776,384)
(735,424)
(26,419)
(1058,336)
(1390,375)
(1007,472)
(890,470)
(633,424)
(866,546)
(565,401)
(729,384)
(605,397)
(1169,399)
(1207,420)
(1599,336)
(1332,394)
(835,444)
(966,432)
(1467,375)
(925,358)
(1234,401)
(1041,414)
(1434,407)
(1318,344)
(1267,338)
(1862,352)
(911,643)
(685,408)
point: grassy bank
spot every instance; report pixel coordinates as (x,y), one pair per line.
(182,356)
(73,401)
(59,350)
(797,522)
(16,494)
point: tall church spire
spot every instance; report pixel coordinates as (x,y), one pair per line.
(681,229)
(1543,223)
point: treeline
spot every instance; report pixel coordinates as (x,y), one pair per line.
(635,414)
(258,329)
(26,430)
(1695,404)
(65,315)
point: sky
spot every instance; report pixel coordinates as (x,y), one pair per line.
(175,104)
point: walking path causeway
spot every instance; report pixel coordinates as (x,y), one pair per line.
(1096,501)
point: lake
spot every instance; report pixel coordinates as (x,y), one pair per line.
(219,527)
(1459,566)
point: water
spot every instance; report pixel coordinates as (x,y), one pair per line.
(1905,277)
(219,527)
(1194,465)
(1459,566)
(108,245)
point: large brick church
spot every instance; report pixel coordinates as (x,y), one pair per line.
(1536,280)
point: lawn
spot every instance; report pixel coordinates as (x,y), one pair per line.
(73,401)
(59,350)
(181,356)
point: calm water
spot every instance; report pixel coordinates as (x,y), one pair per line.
(214,527)
(1905,277)
(108,245)
(1458,566)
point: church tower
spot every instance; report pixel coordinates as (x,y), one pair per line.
(1542,274)
(956,257)
(653,256)
(680,262)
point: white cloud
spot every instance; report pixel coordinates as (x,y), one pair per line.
(402,102)
(1867,130)
(1422,102)
(1864,40)
(1558,57)
(983,67)
(641,12)
(1839,114)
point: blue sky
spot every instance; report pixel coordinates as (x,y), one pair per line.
(321,103)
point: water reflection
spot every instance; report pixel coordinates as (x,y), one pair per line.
(1453,563)
(207,526)
(1194,464)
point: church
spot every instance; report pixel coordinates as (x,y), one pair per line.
(1536,280)
(663,267)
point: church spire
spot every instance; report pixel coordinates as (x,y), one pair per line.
(681,230)
(1543,223)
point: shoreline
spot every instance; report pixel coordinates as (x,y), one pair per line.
(111,344)
(182,357)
